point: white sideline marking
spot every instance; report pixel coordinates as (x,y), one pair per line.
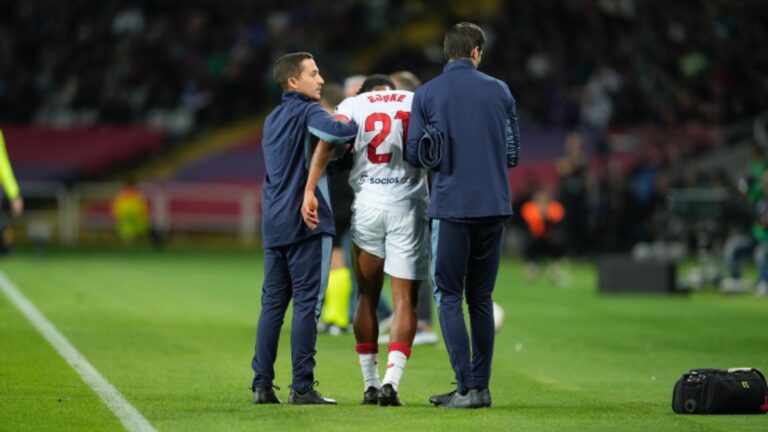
(128,415)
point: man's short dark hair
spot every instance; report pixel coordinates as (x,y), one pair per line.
(375,81)
(288,66)
(461,39)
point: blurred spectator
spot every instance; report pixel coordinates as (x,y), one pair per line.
(332,96)
(405,80)
(754,188)
(610,229)
(738,247)
(596,97)
(750,183)
(8,179)
(130,211)
(760,235)
(335,316)
(572,171)
(352,85)
(542,215)
(643,200)
(12,193)
(425,334)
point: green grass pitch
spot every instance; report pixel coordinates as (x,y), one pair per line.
(173,332)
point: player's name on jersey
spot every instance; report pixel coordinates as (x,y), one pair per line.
(386,97)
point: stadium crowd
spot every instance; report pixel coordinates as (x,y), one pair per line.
(683,68)
(617,62)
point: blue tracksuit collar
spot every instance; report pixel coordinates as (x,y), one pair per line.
(296,95)
(458,64)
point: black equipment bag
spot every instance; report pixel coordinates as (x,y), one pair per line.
(719,391)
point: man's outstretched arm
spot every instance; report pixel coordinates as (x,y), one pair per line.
(328,128)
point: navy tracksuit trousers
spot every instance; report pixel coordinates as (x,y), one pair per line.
(466,257)
(298,271)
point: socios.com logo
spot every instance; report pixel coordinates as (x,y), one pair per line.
(362,178)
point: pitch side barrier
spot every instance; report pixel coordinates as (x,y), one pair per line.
(67,215)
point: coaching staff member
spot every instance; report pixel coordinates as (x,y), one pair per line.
(296,258)
(470,202)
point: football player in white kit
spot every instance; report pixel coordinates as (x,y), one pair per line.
(389,226)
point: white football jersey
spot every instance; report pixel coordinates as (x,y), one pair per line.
(380,174)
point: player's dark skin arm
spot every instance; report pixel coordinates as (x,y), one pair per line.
(320,158)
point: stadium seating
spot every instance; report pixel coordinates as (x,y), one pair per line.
(75,154)
(242,164)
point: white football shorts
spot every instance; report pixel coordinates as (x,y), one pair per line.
(401,238)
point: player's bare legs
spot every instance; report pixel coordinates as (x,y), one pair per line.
(369,273)
(369,270)
(404,293)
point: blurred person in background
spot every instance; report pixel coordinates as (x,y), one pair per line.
(405,80)
(11,188)
(335,315)
(754,188)
(572,170)
(352,85)
(543,214)
(331,97)
(425,334)
(130,211)
(760,236)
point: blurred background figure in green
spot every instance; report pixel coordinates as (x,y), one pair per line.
(130,210)
(11,188)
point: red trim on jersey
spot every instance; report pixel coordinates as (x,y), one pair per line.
(342,117)
(403,348)
(367,348)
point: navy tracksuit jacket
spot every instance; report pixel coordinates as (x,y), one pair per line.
(296,258)
(469,203)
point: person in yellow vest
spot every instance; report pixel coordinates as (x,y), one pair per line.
(131,213)
(9,181)
(12,192)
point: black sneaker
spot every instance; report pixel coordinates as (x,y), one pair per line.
(440,399)
(388,396)
(310,397)
(265,395)
(458,400)
(370,396)
(484,398)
